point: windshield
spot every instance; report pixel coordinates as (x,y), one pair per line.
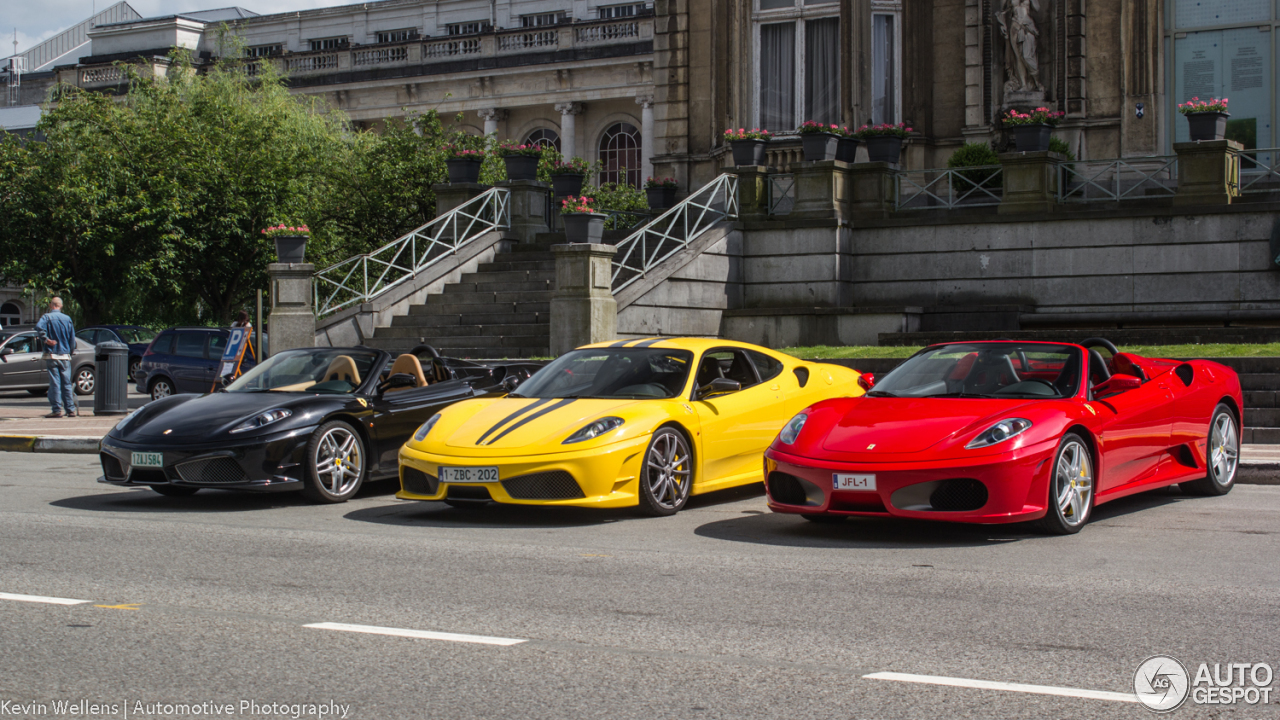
(136,335)
(611,373)
(320,370)
(987,370)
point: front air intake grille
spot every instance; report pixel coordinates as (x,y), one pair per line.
(554,485)
(417,482)
(111,467)
(148,477)
(958,494)
(211,471)
(786,489)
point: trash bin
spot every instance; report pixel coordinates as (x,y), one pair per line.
(111,366)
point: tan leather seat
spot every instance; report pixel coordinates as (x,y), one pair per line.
(409,365)
(342,368)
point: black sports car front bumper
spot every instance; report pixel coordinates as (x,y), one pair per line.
(271,463)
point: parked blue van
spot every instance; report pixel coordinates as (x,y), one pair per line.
(184,360)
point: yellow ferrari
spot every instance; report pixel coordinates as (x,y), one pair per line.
(628,423)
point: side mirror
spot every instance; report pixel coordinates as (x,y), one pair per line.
(866,381)
(719,386)
(510,383)
(397,381)
(6,351)
(1116,385)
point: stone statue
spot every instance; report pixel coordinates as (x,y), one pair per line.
(1019,29)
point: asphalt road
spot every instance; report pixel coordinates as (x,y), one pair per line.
(723,611)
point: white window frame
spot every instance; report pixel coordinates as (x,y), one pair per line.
(394,36)
(798,14)
(328,43)
(624,10)
(894,8)
(544,19)
(471,27)
(261,51)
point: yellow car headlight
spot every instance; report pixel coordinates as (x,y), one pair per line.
(595,429)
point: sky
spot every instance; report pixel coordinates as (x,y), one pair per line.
(37,20)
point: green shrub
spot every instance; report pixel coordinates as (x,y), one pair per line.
(1061,147)
(619,197)
(975,155)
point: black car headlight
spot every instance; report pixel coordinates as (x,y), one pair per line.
(595,429)
(262,419)
(426,428)
(999,432)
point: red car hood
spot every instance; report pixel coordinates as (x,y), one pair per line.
(911,425)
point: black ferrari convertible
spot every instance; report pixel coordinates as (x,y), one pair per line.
(319,420)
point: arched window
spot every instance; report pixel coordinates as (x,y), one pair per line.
(10,314)
(544,137)
(620,154)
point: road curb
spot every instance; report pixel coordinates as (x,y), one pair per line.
(49,444)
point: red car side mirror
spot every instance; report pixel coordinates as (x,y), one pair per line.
(866,381)
(1116,385)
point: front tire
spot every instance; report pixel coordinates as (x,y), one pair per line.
(336,465)
(667,475)
(160,388)
(1223,454)
(1071,488)
(84,380)
(175,490)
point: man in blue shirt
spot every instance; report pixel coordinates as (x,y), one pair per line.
(60,342)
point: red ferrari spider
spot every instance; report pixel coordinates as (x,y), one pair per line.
(1008,431)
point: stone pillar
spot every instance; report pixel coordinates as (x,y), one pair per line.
(491,117)
(568,129)
(753,191)
(528,209)
(646,135)
(451,195)
(1030,181)
(583,310)
(1208,172)
(293,317)
(822,190)
(871,187)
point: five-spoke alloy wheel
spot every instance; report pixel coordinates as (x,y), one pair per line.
(335,463)
(1071,488)
(667,475)
(1222,455)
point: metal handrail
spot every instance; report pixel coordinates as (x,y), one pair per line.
(672,231)
(977,186)
(1119,179)
(1264,174)
(362,278)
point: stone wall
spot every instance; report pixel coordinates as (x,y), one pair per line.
(691,300)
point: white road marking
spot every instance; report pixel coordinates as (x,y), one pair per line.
(41,599)
(424,634)
(1008,687)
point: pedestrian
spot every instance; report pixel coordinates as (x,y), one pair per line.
(242,320)
(59,335)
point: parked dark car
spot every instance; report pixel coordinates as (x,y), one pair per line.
(184,360)
(22,365)
(136,337)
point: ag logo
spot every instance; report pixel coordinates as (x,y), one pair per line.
(1161,683)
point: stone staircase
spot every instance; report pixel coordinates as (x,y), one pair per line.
(503,310)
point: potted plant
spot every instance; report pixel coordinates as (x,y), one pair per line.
(1031,131)
(884,142)
(521,160)
(661,192)
(567,176)
(582,224)
(1206,120)
(463,163)
(291,241)
(747,145)
(847,147)
(819,141)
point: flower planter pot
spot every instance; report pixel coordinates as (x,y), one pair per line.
(847,149)
(567,184)
(1207,126)
(747,152)
(584,227)
(819,146)
(884,148)
(464,170)
(291,248)
(1032,138)
(521,167)
(660,198)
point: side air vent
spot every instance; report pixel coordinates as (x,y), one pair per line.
(791,490)
(802,376)
(111,467)
(417,482)
(1184,373)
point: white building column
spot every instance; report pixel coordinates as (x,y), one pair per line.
(646,135)
(491,116)
(568,127)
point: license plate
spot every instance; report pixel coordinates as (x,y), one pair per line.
(855,482)
(468,474)
(144,459)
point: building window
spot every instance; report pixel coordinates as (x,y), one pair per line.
(467,28)
(611,12)
(395,36)
(10,314)
(263,51)
(884,69)
(543,19)
(798,63)
(620,154)
(544,137)
(335,43)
